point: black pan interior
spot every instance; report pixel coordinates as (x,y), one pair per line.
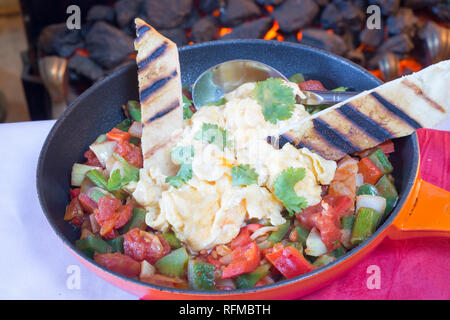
(98,110)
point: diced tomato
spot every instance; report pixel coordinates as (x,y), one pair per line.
(141,245)
(92,159)
(118,135)
(74,212)
(131,153)
(214,262)
(371,173)
(74,193)
(290,262)
(311,85)
(87,203)
(112,215)
(245,259)
(387,147)
(243,237)
(119,263)
(340,204)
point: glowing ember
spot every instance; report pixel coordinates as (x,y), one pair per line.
(224,31)
(216,13)
(269,8)
(273,32)
(299,35)
(410,64)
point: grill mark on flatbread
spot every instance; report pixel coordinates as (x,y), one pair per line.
(141,31)
(395,110)
(366,124)
(334,137)
(163,112)
(152,56)
(161,145)
(155,86)
(420,93)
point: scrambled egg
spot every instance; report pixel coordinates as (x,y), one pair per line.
(208,210)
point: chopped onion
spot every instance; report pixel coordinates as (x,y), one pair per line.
(103,150)
(226,259)
(147,269)
(359,180)
(94,225)
(262,231)
(136,129)
(225,284)
(376,203)
(79,172)
(314,244)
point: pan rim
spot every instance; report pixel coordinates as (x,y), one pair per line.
(187,292)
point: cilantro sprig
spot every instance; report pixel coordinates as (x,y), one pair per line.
(187,112)
(212,133)
(117,180)
(284,189)
(181,155)
(276,99)
(243,175)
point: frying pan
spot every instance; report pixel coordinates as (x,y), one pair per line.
(422,209)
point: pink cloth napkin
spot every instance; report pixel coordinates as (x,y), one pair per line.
(408,269)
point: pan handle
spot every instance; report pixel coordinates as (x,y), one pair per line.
(427,210)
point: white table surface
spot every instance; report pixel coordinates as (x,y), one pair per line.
(34,263)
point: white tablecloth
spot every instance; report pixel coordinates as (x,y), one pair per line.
(34,264)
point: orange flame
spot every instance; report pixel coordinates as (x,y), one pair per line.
(269,8)
(273,32)
(224,31)
(299,35)
(216,13)
(410,64)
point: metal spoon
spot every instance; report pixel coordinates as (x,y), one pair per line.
(222,78)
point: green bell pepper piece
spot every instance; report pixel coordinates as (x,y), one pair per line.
(116,244)
(367,188)
(387,190)
(302,234)
(124,125)
(278,235)
(173,264)
(323,260)
(91,244)
(381,161)
(135,140)
(347,222)
(172,240)
(137,220)
(250,279)
(297,78)
(338,252)
(365,225)
(96,195)
(201,275)
(134,110)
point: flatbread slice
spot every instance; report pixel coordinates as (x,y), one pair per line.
(160,96)
(392,110)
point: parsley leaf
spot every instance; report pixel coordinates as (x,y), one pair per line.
(276,99)
(116,181)
(183,176)
(243,175)
(284,189)
(212,133)
(187,112)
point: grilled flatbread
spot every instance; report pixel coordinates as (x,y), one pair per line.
(160,95)
(394,109)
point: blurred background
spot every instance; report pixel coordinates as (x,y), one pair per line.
(44,65)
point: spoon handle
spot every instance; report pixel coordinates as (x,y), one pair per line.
(327,97)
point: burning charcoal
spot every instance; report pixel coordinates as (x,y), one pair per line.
(356,56)
(331,18)
(177,35)
(208,6)
(352,15)
(255,29)
(388,7)
(324,40)
(404,21)
(107,45)
(126,11)
(293,15)
(85,67)
(166,14)
(371,37)
(269,2)
(57,39)
(191,19)
(101,13)
(237,11)
(419,4)
(204,29)
(398,44)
